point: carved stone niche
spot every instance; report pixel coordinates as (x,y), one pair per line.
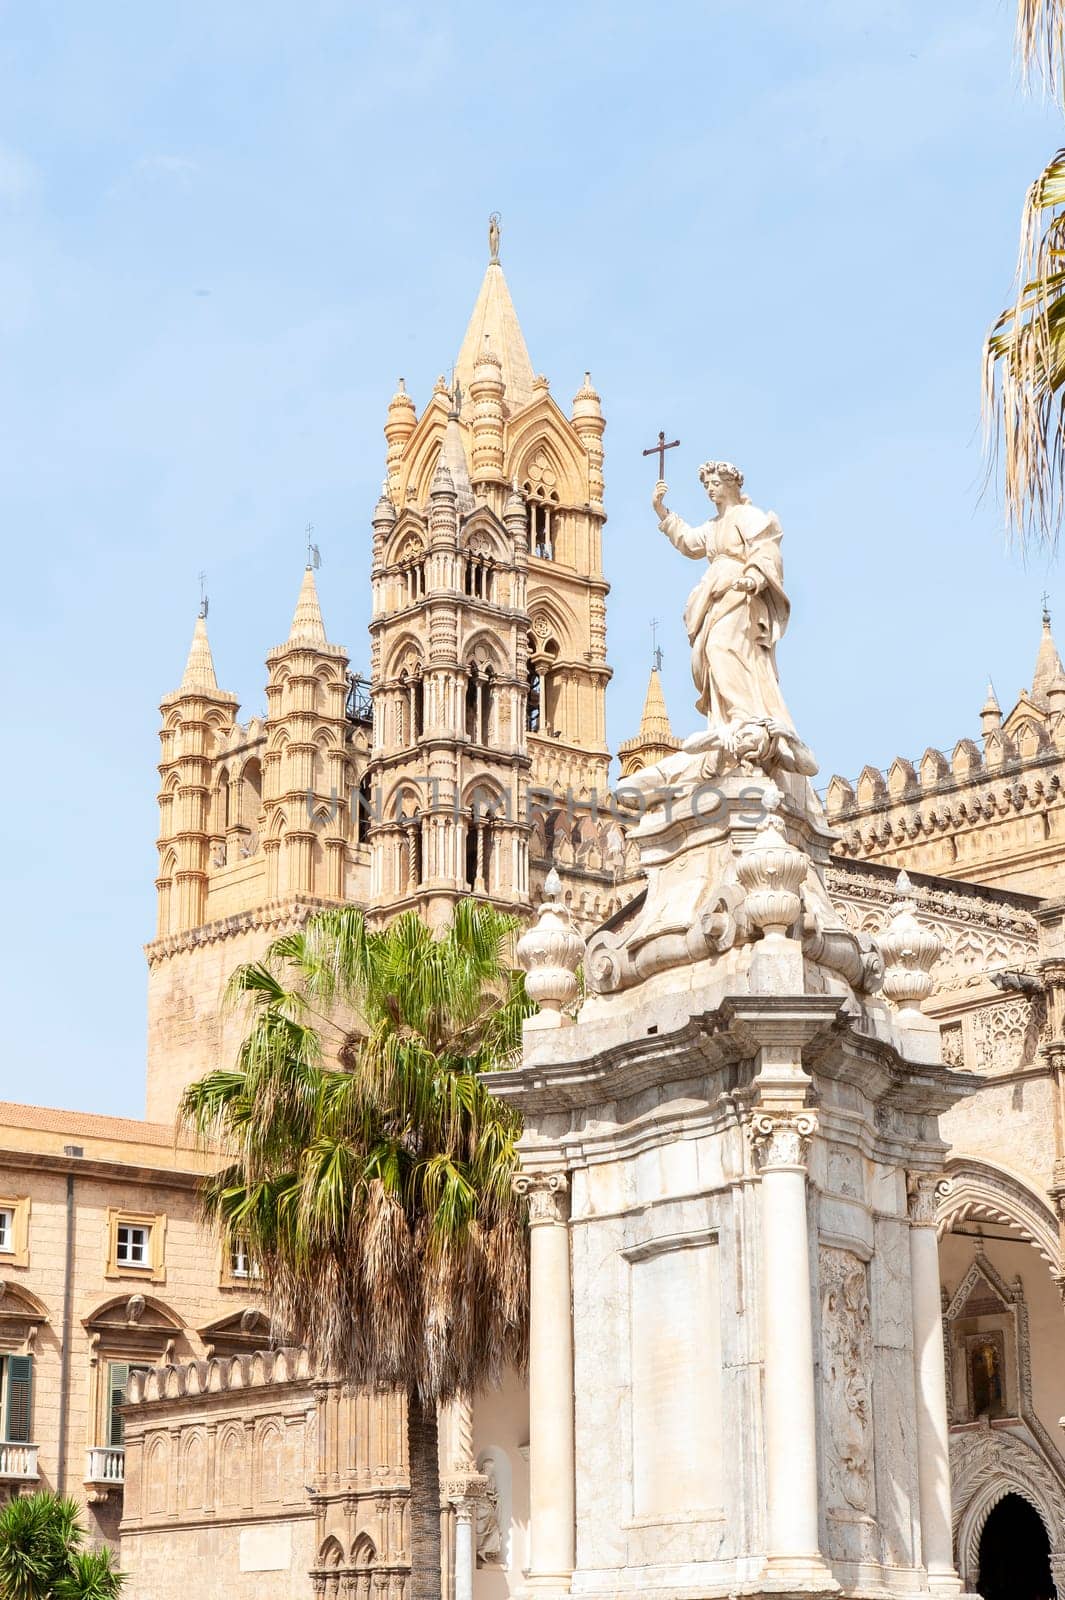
(987,1344)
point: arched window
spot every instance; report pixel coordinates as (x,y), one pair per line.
(541,508)
(480,578)
(479,686)
(251,793)
(410,711)
(364,808)
(479,851)
(222,808)
(411,874)
(542,703)
(532,699)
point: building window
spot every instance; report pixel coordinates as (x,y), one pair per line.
(541,542)
(242,1264)
(479,704)
(16,1398)
(14,1231)
(118,1376)
(135,1245)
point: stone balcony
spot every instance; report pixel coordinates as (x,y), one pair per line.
(105,1471)
(18,1463)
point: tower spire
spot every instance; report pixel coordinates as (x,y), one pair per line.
(1048,668)
(199,668)
(494,325)
(307,625)
(656,738)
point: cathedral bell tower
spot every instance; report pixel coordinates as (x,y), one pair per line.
(488,652)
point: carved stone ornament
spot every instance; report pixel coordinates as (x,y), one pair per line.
(847,1368)
(549,954)
(923,1193)
(135,1307)
(546,1193)
(772,872)
(909,950)
(780,1139)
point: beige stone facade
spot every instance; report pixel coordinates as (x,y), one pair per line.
(113,1270)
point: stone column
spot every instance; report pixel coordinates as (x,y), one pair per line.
(933,1446)
(551,1465)
(781,1139)
(465,1493)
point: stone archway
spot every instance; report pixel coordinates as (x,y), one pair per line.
(1014,1553)
(988,1466)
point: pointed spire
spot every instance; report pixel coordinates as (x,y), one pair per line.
(1048,666)
(656,738)
(990,705)
(654,724)
(199,668)
(453,457)
(307,625)
(494,323)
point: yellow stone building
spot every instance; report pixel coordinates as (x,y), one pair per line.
(473,756)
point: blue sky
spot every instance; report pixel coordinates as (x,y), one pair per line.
(777,231)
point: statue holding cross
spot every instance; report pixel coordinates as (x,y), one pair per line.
(735,616)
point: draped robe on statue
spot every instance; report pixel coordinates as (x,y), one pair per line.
(734,634)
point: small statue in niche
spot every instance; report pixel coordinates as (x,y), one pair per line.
(487,1532)
(985,1379)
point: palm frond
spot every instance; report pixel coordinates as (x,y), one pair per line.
(1040,39)
(1024,369)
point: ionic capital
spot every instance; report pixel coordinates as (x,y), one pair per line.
(547,1194)
(781,1139)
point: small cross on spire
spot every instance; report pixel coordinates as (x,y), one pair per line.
(314,555)
(204,602)
(1046,609)
(656,648)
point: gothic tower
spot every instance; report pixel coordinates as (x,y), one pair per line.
(488,653)
(488,679)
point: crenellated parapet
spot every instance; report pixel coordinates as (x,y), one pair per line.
(991,810)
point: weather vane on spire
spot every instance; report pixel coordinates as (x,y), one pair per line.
(1046,609)
(203,595)
(494,227)
(314,555)
(656,648)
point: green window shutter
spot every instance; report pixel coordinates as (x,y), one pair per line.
(19,1410)
(117,1384)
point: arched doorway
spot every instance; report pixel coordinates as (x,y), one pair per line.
(1015,1553)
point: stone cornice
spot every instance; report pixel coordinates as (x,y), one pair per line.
(93,1167)
(273,916)
(718,1037)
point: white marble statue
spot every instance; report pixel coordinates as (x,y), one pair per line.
(734,617)
(738,609)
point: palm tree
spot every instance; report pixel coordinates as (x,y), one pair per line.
(1024,353)
(370,1170)
(41,1536)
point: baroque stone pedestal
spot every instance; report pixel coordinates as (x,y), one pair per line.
(730,1156)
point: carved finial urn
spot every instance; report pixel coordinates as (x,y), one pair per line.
(549,954)
(772,871)
(909,950)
